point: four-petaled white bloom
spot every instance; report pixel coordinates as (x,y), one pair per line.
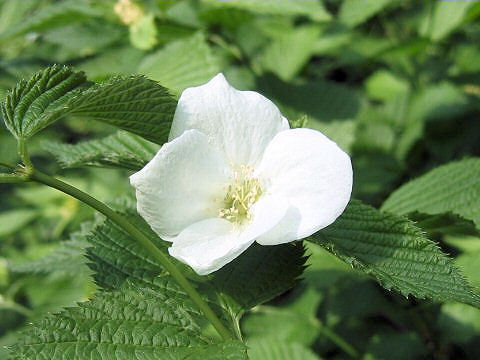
(233,172)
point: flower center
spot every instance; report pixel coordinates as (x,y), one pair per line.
(244,191)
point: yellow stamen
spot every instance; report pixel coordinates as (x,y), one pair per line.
(244,191)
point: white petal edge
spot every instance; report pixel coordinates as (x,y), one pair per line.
(313,174)
(181,185)
(208,245)
(239,123)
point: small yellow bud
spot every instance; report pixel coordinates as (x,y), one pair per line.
(129,12)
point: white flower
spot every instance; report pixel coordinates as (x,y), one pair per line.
(233,173)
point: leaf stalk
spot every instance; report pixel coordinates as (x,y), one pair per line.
(10,179)
(7,165)
(339,341)
(23,152)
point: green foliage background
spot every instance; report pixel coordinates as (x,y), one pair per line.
(395,83)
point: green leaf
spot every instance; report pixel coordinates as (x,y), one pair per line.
(436,102)
(377,172)
(135,104)
(467,245)
(294,321)
(14,12)
(407,345)
(340,131)
(431,103)
(396,252)
(468,261)
(355,12)
(119,60)
(459,323)
(14,220)
(127,324)
(27,106)
(319,100)
(181,64)
(259,275)
(81,39)
(454,187)
(312,9)
(384,85)
(332,39)
(116,259)
(445,223)
(287,54)
(141,311)
(121,149)
(271,349)
(375,130)
(54,16)
(446,17)
(67,258)
(466,59)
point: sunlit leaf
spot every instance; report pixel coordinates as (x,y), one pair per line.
(287,54)
(312,9)
(397,253)
(445,18)
(269,349)
(27,107)
(454,187)
(130,323)
(354,12)
(135,104)
(181,64)
(53,16)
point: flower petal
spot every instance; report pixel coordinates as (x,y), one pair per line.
(267,213)
(313,174)
(239,123)
(181,185)
(210,244)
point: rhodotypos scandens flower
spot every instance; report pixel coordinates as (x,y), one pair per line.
(233,172)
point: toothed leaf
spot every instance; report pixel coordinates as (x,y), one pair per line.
(395,252)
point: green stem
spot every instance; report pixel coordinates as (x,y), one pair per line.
(339,341)
(227,46)
(10,179)
(7,165)
(40,177)
(10,305)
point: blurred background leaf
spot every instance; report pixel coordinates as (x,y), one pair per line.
(394,83)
